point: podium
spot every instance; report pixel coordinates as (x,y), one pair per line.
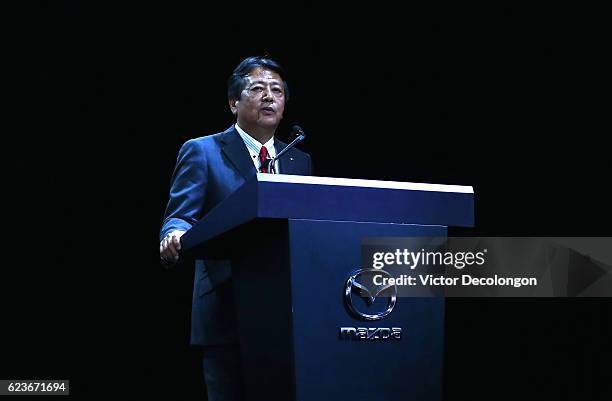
(294,243)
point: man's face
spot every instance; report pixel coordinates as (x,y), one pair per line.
(261,103)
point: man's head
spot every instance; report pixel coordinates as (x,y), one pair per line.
(257,93)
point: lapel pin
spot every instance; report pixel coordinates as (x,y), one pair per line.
(291,158)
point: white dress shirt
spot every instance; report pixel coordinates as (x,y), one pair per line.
(254,147)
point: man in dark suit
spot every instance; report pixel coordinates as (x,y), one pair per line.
(208,169)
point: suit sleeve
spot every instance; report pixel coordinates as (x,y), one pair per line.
(187,190)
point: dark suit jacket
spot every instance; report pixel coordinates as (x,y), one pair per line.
(207,170)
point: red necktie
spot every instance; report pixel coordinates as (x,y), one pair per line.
(263,156)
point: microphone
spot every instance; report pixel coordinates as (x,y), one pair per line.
(295,130)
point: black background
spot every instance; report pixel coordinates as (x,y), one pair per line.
(506,99)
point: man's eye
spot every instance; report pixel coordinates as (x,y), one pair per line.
(277,90)
(256,89)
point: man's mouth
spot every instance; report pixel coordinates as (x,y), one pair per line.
(267,110)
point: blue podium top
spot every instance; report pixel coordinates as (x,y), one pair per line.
(283,196)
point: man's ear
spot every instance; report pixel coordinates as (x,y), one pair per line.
(233,107)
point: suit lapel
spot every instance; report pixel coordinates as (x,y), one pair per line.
(237,152)
(288,165)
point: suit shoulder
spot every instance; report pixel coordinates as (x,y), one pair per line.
(204,141)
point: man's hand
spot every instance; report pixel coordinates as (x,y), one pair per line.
(170,246)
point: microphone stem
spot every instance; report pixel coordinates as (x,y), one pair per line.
(282,152)
(288,147)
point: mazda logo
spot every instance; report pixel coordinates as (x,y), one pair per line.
(370,295)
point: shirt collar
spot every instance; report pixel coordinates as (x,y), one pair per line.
(253,145)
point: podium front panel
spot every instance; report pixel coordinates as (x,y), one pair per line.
(329,366)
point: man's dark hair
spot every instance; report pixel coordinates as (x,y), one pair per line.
(237,81)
